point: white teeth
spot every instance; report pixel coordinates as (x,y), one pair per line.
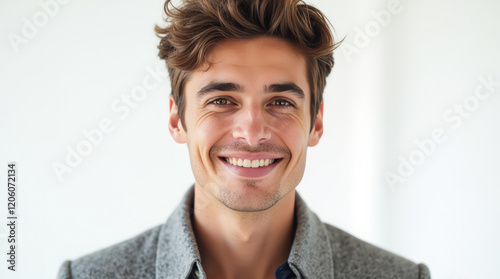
(246,163)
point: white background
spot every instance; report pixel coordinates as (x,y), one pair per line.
(393,90)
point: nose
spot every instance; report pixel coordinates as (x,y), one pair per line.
(251,126)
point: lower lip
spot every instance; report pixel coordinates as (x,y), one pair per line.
(250,172)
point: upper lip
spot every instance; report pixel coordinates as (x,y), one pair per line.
(250,156)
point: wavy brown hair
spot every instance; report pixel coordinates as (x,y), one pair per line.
(194,27)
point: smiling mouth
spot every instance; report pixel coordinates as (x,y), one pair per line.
(246,163)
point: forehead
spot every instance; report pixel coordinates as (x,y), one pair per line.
(252,62)
(257,52)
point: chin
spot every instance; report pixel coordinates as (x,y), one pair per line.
(249,196)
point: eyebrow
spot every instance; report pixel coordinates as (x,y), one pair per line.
(283,87)
(220,86)
(273,88)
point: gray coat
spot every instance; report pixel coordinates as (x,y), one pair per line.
(169,251)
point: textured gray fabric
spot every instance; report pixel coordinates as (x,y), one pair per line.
(169,251)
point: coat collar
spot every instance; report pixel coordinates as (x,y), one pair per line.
(310,256)
(177,249)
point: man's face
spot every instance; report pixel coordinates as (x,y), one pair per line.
(247,120)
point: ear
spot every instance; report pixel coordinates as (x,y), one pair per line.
(317,129)
(174,123)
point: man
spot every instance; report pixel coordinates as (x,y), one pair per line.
(247,80)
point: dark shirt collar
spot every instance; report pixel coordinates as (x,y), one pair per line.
(310,256)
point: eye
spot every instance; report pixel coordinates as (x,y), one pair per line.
(220,102)
(281,103)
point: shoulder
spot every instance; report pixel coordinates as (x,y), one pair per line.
(355,258)
(133,258)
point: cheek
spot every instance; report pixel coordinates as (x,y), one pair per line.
(295,137)
(206,133)
(292,132)
(200,139)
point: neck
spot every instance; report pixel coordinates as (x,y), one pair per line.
(235,244)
